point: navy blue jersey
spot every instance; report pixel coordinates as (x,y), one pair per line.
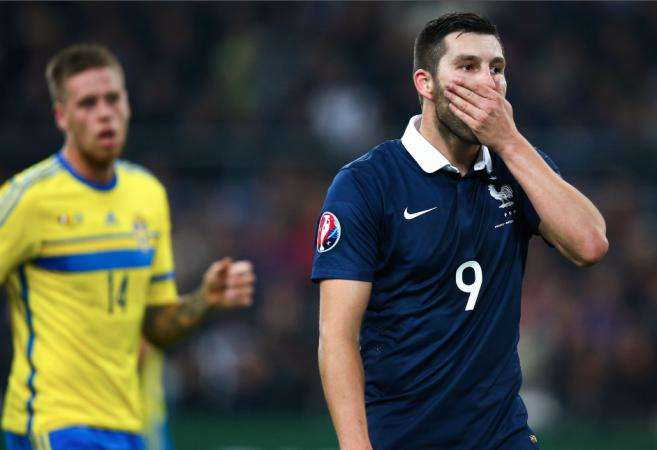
(446,256)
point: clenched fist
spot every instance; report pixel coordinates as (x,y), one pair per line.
(227,284)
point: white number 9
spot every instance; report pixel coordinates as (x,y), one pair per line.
(472,289)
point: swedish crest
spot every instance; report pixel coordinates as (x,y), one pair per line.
(504,194)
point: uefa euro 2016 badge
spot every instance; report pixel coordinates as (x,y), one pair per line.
(328,232)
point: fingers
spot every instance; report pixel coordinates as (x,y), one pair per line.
(469,121)
(466,105)
(219,268)
(240,268)
(481,89)
(229,284)
(240,273)
(465,93)
(239,296)
(500,86)
(240,284)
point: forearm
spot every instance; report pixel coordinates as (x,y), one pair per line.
(569,220)
(341,370)
(166,325)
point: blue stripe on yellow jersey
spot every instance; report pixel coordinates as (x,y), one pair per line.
(164,276)
(81,262)
(86,262)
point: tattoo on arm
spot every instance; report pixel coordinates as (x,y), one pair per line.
(166,325)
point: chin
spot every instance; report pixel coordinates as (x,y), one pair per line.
(103,157)
(469,137)
(457,127)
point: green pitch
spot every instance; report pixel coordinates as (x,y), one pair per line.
(195,431)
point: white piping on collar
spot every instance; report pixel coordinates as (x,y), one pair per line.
(429,157)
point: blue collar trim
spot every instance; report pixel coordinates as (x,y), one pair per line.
(92,184)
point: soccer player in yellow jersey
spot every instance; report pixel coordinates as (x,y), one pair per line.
(85,254)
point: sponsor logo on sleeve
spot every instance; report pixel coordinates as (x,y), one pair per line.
(328,232)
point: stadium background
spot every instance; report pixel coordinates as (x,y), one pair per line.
(246,111)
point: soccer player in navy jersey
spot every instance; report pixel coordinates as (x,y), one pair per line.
(420,255)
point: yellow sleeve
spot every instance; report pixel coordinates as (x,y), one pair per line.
(19,239)
(163,284)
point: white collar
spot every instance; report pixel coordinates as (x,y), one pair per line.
(429,157)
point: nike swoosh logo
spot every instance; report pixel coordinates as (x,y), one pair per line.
(409,216)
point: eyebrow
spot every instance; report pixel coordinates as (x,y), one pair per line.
(496,60)
(86,98)
(94,95)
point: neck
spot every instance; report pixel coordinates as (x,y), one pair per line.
(461,154)
(85,167)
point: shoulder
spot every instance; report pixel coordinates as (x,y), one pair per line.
(139,175)
(27,185)
(377,158)
(36,174)
(373,168)
(133,169)
(366,179)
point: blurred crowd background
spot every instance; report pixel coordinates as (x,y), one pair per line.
(246,111)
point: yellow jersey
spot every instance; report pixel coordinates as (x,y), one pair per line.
(81,262)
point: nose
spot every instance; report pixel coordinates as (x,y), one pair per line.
(487,78)
(104,110)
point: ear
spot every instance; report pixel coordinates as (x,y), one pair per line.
(423,82)
(60,117)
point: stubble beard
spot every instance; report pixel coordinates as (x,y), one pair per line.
(447,122)
(99,158)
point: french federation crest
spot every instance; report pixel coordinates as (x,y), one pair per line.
(504,194)
(328,232)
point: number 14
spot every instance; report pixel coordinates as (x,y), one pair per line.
(111,294)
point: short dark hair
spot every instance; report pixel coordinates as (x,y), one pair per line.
(429,45)
(73,60)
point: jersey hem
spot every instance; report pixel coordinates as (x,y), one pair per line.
(49,429)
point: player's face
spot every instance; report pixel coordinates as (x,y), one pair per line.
(478,57)
(94,114)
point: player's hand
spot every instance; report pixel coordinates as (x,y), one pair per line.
(227,284)
(485,110)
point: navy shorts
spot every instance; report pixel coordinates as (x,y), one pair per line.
(76,438)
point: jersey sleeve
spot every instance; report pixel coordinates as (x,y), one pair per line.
(162,289)
(19,237)
(347,230)
(530,216)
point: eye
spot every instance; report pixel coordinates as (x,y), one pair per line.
(112,97)
(497,70)
(87,102)
(467,67)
